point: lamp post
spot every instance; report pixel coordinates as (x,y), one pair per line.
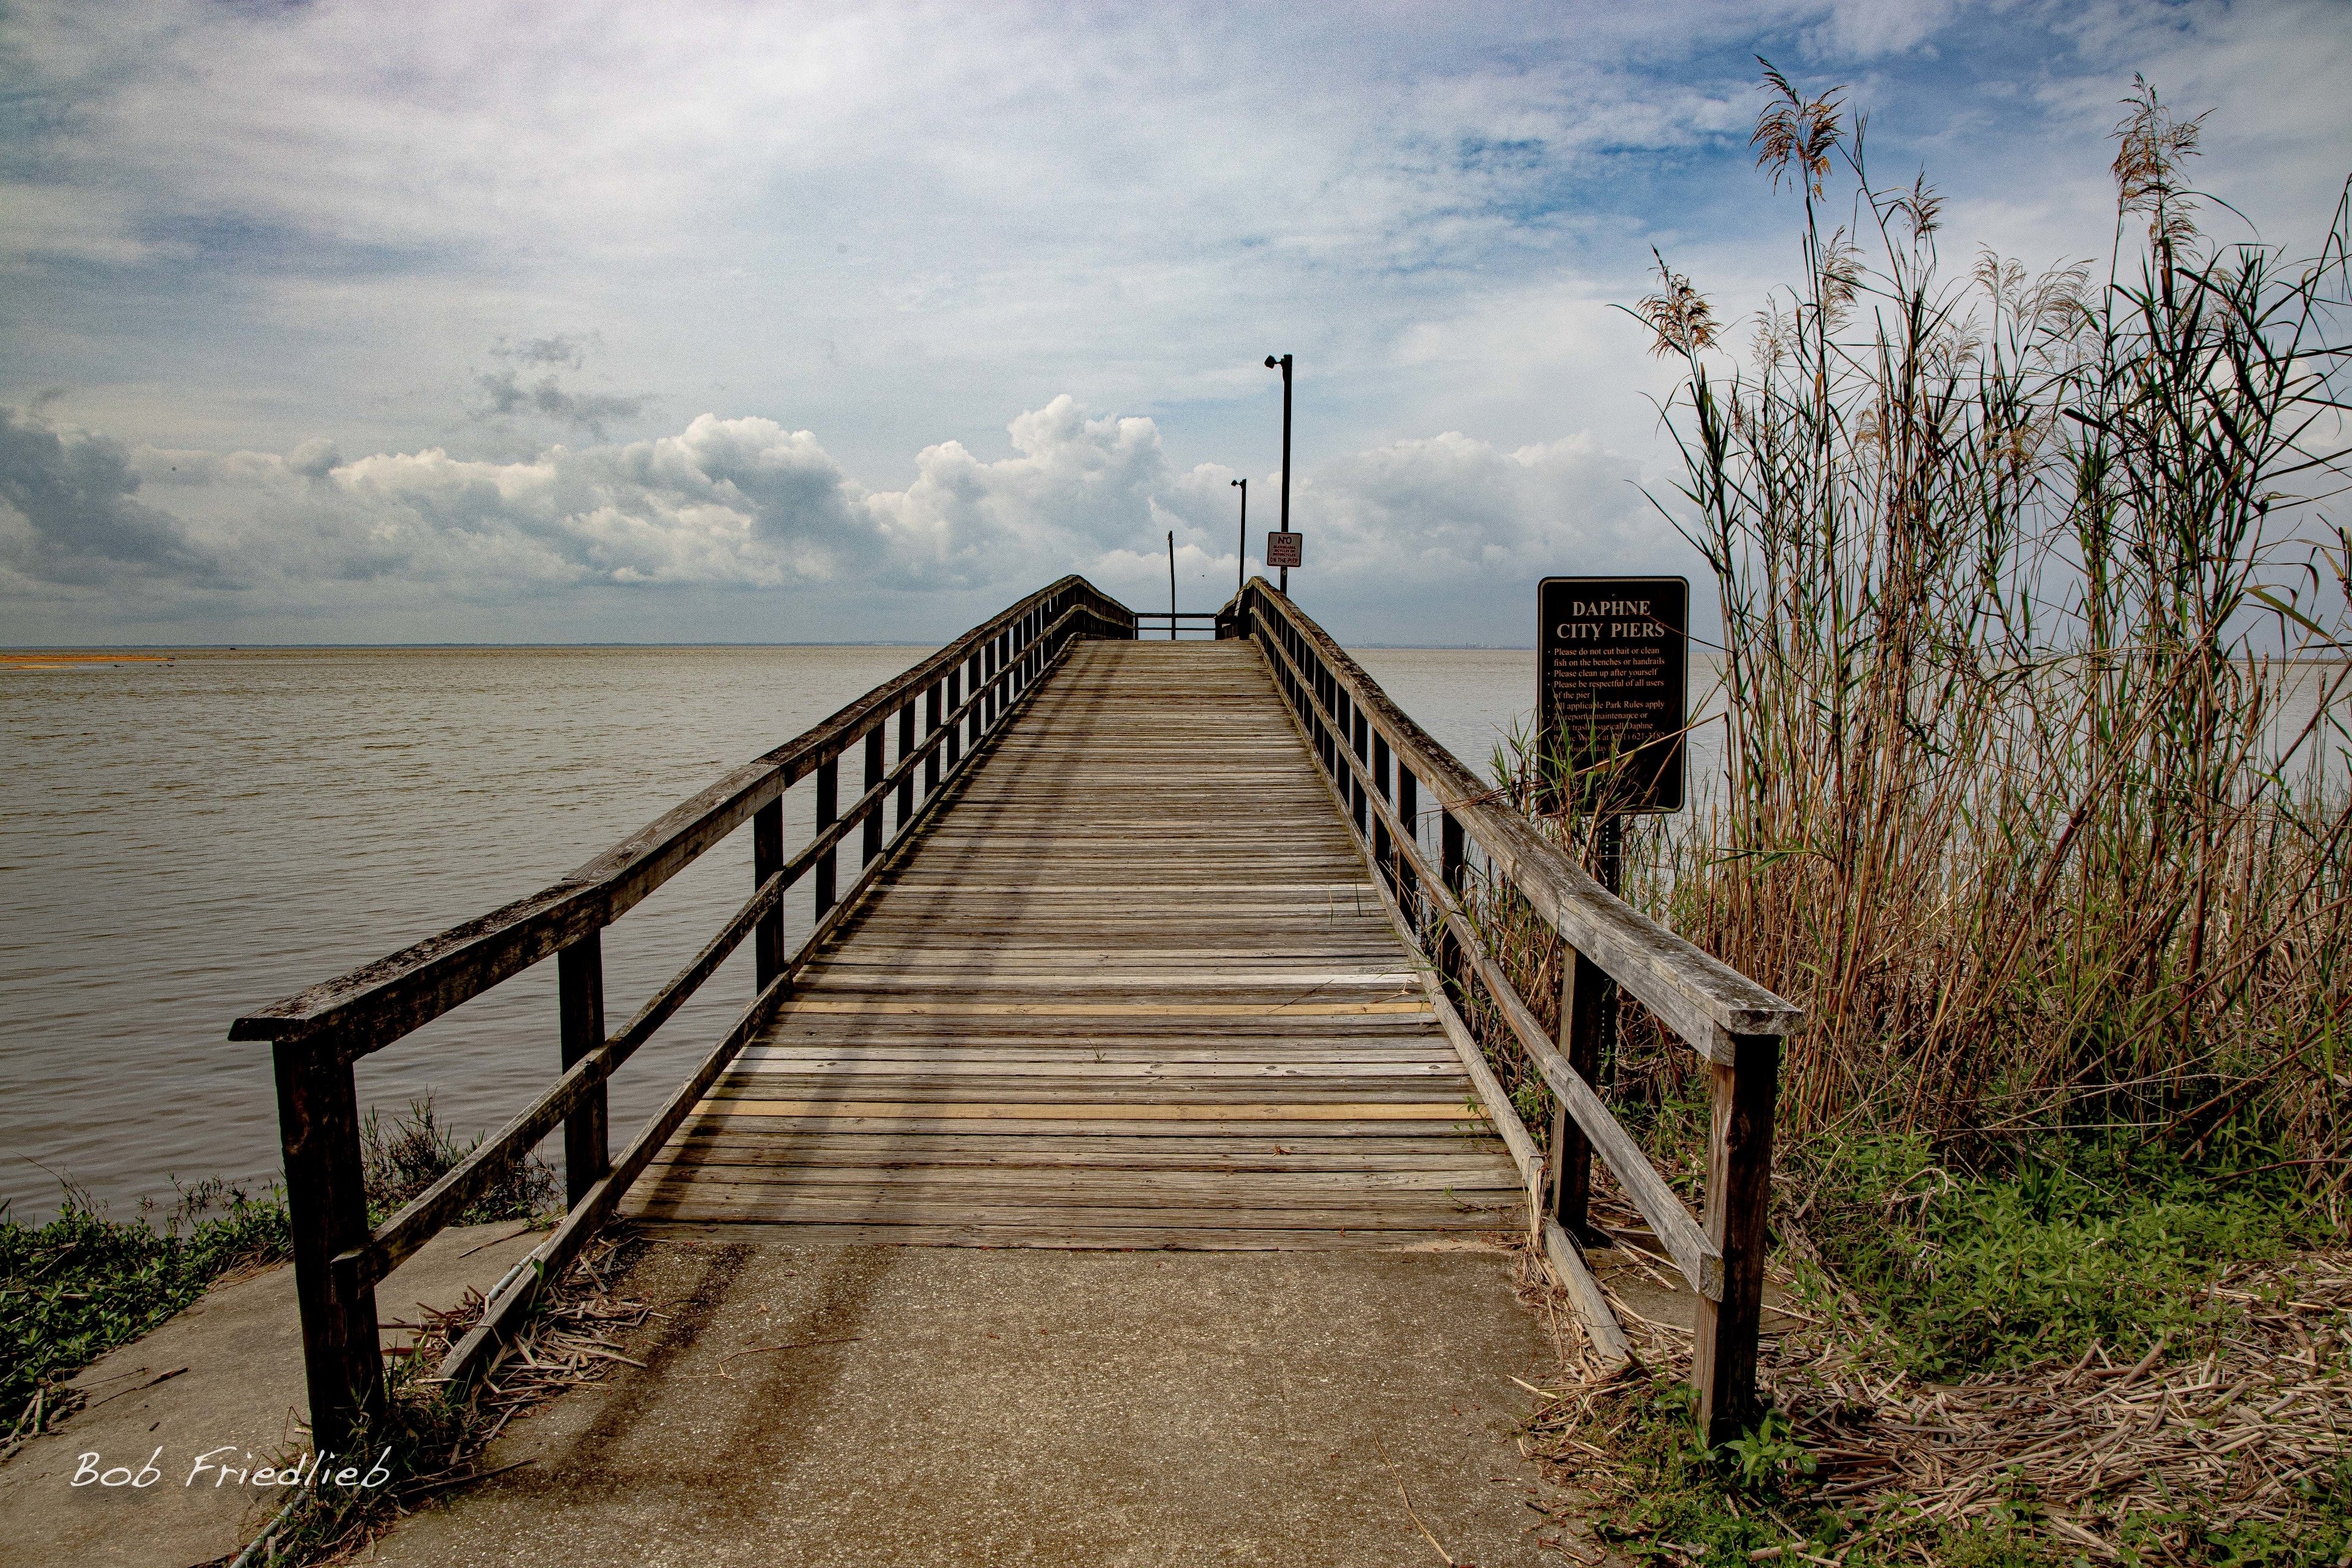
(1171,584)
(1241,554)
(1284,366)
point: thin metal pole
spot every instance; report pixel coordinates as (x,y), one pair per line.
(1240,551)
(1171,584)
(1283,363)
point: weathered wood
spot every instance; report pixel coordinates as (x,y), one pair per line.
(595,1206)
(398,1238)
(1585,1012)
(907,775)
(1134,976)
(338,1261)
(1693,1252)
(767,859)
(1738,1193)
(1585,1296)
(1698,995)
(828,812)
(580,990)
(932,696)
(326,1202)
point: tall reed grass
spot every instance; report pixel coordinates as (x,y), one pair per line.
(2035,640)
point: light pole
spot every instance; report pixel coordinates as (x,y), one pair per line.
(1171,584)
(1241,556)
(1284,366)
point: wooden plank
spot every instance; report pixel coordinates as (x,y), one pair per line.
(1177,1014)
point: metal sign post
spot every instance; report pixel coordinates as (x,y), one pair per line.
(1284,366)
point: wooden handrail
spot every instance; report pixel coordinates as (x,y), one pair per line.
(966,691)
(1360,739)
(370,1006)
(1697,995)
(1698,1259)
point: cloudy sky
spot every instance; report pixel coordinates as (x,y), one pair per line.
(490,321)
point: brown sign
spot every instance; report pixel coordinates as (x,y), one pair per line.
(1283,550)
(1612,668)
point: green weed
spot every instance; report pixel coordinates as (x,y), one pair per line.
(75,1287)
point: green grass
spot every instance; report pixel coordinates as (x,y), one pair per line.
(2076,1243)
(77,1285)
(2072,1244)
(74,1287)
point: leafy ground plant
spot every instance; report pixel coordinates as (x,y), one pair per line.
(80,1284)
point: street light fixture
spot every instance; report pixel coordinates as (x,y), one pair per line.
(1283,365)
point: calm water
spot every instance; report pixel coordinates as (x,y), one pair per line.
(182,840)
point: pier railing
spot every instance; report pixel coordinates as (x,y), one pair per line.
(939,711)
(1381,764)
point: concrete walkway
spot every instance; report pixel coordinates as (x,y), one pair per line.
(222,1378)
(937,1405)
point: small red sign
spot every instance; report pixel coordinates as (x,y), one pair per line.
(1282,549)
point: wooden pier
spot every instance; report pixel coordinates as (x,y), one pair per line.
(1134,988)
(1147,944)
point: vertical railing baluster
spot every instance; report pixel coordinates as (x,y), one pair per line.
(828,808)
(870,837)
(1453,867)
(931,694)
(1358,725)
(580,994)
(767,859)
(1586,1004)
(955,726)
(1385,855)
(1408,883)
(1738,1190)
(975,675)
(326,1204)
(906,750)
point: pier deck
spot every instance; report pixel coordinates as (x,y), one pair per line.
(1139,947)
(1135,988)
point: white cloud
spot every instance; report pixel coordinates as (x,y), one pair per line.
(746,506)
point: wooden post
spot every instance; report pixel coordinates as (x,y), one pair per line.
(972,675)
(1739,1193)
(1587,1000)
(1353,716)
(1407,804)
(767,859)
(326,1202)
(580,990)
(870,845)
(1453,865)
(1384,853)
(953,745)
(828,808)
(906,750)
